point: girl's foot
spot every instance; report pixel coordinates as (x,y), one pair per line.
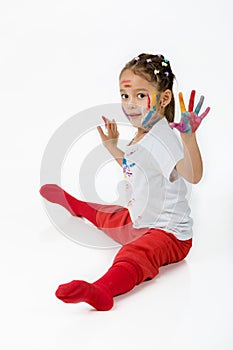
(55,194)
(82,291)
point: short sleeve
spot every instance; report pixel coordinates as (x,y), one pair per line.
(166,152)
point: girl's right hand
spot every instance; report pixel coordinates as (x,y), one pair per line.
(112,136)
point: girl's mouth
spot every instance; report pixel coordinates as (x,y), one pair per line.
(134,115)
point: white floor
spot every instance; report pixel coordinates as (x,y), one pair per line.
(188,306)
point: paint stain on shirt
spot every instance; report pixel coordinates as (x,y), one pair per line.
(127,168)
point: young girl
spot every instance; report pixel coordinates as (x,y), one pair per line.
(156,228)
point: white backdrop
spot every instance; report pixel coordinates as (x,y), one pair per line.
(59,58)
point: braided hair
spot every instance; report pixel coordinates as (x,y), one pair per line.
(156,70)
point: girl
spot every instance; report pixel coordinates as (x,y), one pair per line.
(156,228)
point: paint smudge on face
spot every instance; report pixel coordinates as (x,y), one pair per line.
(153,99)
(125,81)
(148,118)
(125,112)
(128,86)
(148,102)
(152,116)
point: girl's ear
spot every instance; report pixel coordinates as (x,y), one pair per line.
(165,98)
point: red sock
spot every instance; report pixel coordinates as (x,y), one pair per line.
(55,194)
(119,279)
(82,291)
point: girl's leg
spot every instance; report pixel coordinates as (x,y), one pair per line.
(119,279)
(154,249)
(114,220)
(55,194)
(134,263)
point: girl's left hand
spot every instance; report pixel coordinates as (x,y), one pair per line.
(190,120)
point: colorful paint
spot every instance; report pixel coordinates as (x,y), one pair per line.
(154,99)
(190,120)
(148,102)
(128,86)
(152,116)
(126,168)
(125,81)
(125,112)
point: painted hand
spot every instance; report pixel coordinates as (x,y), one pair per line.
(190,120)
(153,116)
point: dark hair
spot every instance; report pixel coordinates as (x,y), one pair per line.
(155,69)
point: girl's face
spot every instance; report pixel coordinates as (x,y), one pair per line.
(136,95)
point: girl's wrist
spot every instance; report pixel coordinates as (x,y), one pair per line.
(110,145)
(187,137)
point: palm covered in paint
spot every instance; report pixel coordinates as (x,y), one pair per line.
(190,120)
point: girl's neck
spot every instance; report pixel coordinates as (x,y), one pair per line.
(141,132)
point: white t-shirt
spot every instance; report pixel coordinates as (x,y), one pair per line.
(157,192)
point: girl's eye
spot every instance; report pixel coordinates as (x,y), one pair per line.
(141,94)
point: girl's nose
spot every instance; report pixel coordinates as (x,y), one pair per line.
(135,104)
(130,100)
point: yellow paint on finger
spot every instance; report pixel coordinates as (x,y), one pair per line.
(181,100)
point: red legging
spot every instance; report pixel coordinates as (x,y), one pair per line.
(146,248)
(143,252)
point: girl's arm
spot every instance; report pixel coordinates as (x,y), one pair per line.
(191,166)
